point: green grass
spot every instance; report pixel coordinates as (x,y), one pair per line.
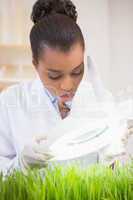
(70,183)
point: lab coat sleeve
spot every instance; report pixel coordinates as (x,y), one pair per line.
(8,158)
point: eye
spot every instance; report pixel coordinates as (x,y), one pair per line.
(77,72)
(54,76)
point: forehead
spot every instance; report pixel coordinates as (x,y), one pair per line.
(58,60)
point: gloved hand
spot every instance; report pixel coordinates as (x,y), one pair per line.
(116,151)
(111,153)
(35,155)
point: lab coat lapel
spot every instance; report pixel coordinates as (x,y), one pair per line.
(43,103)
(35,117)
(42,111)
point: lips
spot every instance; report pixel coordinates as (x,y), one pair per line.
(67,96)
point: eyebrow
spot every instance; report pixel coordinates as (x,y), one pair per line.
(59,71)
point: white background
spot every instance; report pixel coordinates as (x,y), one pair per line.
(107,26)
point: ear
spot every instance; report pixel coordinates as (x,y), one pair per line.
(34,62)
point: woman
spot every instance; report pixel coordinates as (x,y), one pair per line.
(31,109)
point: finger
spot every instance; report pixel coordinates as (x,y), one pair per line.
(45,156)
(40,137)
(130,131)
(42,153)
(130,123)
(37,159)
(49,156)
(41,148)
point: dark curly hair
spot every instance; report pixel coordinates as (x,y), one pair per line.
(55,26)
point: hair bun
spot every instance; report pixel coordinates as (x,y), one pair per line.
(43,8)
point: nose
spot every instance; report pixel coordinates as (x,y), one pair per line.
(67,84)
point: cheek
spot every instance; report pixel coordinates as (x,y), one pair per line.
(52,86)
(78,80)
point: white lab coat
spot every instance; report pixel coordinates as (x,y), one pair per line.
(26,111)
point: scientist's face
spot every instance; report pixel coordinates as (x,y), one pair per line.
(62,72)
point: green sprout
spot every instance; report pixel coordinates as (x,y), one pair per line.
(72,182)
